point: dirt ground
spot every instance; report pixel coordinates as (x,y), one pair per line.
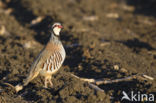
(97,35)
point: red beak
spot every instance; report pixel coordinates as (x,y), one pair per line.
(59,26)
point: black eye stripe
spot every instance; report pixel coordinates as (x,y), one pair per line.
(56,25)
(59,26)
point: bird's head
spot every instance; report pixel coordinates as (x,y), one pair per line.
(57,28)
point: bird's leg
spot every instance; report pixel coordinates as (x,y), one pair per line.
(50,82)
(45,82)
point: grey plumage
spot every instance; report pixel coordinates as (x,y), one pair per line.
(48,61)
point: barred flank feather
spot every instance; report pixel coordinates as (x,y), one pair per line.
(54,62)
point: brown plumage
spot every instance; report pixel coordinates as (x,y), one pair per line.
(48,61)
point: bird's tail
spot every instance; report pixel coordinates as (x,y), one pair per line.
(30,77)
(25,82)
(18,87)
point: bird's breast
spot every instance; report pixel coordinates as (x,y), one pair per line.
(53,63)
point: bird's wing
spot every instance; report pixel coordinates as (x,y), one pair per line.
(36,66)
(37,61)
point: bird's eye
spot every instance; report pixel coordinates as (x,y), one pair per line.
(59,26)
(56,26)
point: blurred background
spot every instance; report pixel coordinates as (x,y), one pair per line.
(103,39)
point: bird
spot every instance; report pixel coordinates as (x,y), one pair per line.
(49,60)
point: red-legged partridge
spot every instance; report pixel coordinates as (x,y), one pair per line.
(48,61)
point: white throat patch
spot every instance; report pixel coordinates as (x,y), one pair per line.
(56,31)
